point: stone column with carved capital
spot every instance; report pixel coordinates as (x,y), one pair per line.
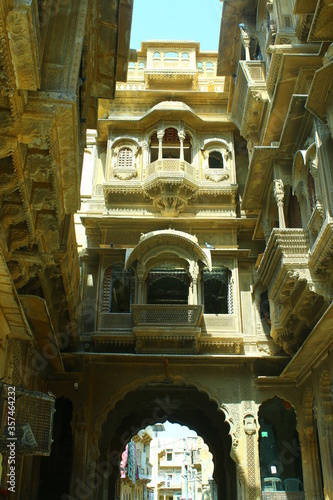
(279,197)
(160,135)
(310,463)
(194,270)
(144,146)
(245,41)
(325,429)
(181,135)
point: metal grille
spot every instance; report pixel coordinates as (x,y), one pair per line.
(118,290)
(218,291)
(32,413)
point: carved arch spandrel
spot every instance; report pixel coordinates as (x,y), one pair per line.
(167,378)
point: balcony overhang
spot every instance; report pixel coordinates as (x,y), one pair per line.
(168,239)
(166,110)
(166,77)
(287,62)
(320,92)
(229,52)
(40,322)
(317,344)
(263,157)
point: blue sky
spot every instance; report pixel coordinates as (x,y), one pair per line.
(197,20)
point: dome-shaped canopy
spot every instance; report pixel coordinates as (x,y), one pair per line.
(168,241)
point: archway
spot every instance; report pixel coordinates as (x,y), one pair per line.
(279,448)
(159,402)
(166,461)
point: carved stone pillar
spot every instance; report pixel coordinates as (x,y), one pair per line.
(144,158)
(194,270)
(252,462)
(310,464)
(279,197)
(160,135)
(245,41)
(181,135)
(140,277)
(325,429)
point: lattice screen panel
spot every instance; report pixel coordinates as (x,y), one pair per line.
(26,419)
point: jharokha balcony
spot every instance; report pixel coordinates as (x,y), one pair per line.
(296,296)
(170,183)
(168,327)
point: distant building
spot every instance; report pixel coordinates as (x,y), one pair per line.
(182,468)
(135,467)
(191,280)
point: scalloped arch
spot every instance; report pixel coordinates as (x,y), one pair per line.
(143,383)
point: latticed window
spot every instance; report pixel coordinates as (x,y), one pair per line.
(125,158)
(167,286)
(118,290)
(217,291)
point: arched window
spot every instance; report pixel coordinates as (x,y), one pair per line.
(217,291)
(215,160)
(156,55)
(209,66)
(278,471)
(118,290)
(141,65)
(125,158)
(185,56)
(131,65)
(171,55)
(200,67)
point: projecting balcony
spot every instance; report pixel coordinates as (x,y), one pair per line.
(284,270)
(285,257)
(167,328)
(170,183)
(250,97)
(171,167)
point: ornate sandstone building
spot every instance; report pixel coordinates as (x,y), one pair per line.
(201,288)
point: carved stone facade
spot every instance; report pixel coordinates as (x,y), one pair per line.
(194,283)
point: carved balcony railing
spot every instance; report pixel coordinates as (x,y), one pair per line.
(167,328)
(250,97)
(171,167)
(296,294)
(167,316)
